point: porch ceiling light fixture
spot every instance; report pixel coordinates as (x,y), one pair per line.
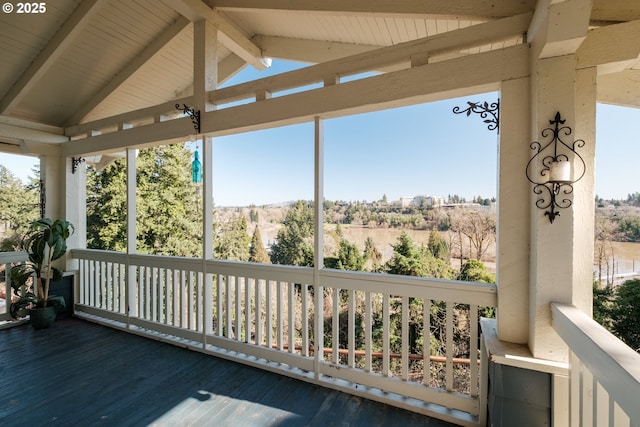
(555,167)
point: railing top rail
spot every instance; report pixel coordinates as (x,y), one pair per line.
(615,365)
(484,294)
(9,257)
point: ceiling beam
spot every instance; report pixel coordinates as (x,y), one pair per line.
(468,9)
(379,58)
(559,27)
(140,59)
(67,34)
(305,50)
(425,83)
(615,10)
(229,34)
(596,50)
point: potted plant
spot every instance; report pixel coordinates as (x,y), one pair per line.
(45,242)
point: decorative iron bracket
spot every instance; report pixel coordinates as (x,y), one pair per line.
(194,114)
(550,168)
(75,161)
(489,112)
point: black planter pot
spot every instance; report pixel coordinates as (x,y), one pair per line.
(63,288)
(42,318)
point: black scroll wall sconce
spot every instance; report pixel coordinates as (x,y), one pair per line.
(555,167)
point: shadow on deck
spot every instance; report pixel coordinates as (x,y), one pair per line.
(80,373)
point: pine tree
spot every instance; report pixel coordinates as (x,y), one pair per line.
(257,252)
(293,244)
(169,220)
(232,240)
(349,257)
(18,208)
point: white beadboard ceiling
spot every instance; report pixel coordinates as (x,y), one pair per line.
(85,60)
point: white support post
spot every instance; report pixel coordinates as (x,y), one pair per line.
(562,251)
(513,214)
(205,79)
(318,255)
(130,290)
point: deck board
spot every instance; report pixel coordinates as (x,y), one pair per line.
(80,373)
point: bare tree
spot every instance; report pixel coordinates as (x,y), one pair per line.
(477,226)
(605,233)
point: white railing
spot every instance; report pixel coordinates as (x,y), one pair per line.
(357,332)
(604,372)
(7,259)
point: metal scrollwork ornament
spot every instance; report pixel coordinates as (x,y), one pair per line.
(555,167)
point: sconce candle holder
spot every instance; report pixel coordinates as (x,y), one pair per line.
(554,168)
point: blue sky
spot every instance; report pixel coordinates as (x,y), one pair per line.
(422,149)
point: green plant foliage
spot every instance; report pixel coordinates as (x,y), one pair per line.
(232,241)
(294,241)
(45,242)
(630,228)
(18,208)
(625,313)
(168,204)
(475,271)
(257,251)
(411,260)
(349,257)
(602,300)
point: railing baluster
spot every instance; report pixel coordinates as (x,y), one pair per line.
(238,310)
(280,315)
(352,329)
(405,338)
(292,317)
(220,279)
(269,314)
(426,346)
(449,347)
(335,325)
(386,334)
(368,317)
(229,322)
(304,332)
(259,310)
(247,309)
(473,349)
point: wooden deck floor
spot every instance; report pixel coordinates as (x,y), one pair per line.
(80,373)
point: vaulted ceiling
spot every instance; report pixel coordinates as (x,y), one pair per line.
(83,60)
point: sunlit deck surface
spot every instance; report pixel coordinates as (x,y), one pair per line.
(80,373)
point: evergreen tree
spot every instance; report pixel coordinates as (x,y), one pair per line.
(438,246)
(411,260)
(475,271)
(232,240)
(169,221)
(106,213)
(349,257)
(294,241)
(18,208)
(407,258)
(257,252)
(625,313)
(372,256)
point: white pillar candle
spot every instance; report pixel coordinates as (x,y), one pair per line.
(560,171)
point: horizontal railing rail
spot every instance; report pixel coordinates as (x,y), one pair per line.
(408,341)
(604,371)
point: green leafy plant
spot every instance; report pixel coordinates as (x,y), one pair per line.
(44,242)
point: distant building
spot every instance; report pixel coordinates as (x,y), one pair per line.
(428,201)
